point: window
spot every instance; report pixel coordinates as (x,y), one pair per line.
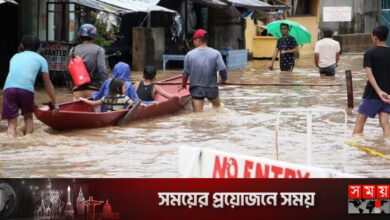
(301,7)
(61,20)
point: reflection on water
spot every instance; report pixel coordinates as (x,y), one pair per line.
(245,125)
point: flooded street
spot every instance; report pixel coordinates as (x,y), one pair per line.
(246,125)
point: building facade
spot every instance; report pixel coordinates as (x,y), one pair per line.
(364,16)
(305,12)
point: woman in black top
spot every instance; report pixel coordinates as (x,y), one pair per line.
(146,89)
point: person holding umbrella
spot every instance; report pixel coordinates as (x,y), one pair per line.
(290,34)
(287,47)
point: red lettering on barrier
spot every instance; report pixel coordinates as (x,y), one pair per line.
(277,171)
(289,173)
(248,169)
(307,175)
(227,167)
(260,173)
(219,169)
(232,164)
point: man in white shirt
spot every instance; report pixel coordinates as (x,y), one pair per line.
(327,53)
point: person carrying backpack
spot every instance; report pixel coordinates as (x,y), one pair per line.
(94,60)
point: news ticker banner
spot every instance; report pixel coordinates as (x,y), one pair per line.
(194,198)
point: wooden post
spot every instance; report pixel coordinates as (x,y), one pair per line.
(348,77)
(277,143)
(149,19)
(185,19)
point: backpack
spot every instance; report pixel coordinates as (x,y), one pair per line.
(77,70)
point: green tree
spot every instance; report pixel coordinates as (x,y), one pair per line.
(103,37)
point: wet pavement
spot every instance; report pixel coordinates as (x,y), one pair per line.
(245,125)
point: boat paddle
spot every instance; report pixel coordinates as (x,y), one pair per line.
(130,113)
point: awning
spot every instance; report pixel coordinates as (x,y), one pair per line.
(249,4)
(254,4)
(123,6)
(8,1)
(101,7)
(211,3)
(137,5)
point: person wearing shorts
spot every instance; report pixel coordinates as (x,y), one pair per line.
(327,54)
(201,93)
(287,47)
(19,85)
(327,71)
(201,66)
(376,98)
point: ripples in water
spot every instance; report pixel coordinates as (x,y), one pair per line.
(245,125)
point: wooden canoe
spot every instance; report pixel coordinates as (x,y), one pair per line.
(77,114)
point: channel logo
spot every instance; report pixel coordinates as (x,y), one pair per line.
(369,199)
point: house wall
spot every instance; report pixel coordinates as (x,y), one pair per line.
(226,31)
(27,11)
(310,22)
(354,36)
(365,16)
(148,47)
(32,18)
(250,33)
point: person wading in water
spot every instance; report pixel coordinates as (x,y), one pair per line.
(376,97)
(19,85)
(201,66)
(287,47)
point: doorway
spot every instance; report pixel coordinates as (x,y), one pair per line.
(8,38)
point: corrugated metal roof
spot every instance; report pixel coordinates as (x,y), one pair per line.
(124,6)
(211,3)
(254,4)
(250,3)
(137,5)
(96,5)
(153,2)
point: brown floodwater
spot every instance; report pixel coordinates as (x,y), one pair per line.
(245,125)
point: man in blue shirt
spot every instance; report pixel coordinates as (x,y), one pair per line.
(201,66)
(19,85)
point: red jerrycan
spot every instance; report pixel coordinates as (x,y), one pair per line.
(78,71)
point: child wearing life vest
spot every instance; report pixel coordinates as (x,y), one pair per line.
(116,99)
(121,71)
(147,89)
